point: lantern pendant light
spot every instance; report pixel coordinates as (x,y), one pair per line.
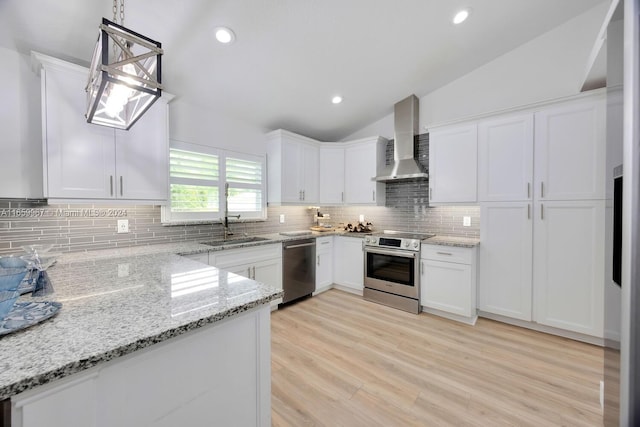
(125,75)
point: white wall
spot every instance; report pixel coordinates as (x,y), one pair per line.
(188,123)
(550,66)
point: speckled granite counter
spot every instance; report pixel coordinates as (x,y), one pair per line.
(462,242)
(118,301)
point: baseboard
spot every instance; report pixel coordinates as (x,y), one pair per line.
(348,289)
(463,319)
(543,328)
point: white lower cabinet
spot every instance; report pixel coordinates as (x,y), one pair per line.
(448,280)
(543,262)
(324,263)
(219,374)
(260,263)
(568,278)
(348,263)
(506,251)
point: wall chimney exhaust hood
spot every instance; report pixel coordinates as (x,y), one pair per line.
(404,165)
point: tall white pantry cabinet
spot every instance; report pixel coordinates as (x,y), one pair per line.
(541,188)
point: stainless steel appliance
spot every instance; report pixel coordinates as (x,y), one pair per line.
(392,269)
(298,269)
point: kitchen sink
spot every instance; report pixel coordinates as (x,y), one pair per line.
(235,241)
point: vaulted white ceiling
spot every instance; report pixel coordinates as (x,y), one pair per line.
(291,56)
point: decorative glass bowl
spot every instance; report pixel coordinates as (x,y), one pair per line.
(10,279)
(29,281)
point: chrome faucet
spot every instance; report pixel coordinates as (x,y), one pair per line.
(225,221)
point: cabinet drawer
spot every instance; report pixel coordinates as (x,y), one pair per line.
(448,253)
(324,244)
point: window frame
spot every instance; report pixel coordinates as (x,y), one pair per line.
(175,218)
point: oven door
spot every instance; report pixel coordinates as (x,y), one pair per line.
(391,270)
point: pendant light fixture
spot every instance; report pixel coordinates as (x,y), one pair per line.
(125,75)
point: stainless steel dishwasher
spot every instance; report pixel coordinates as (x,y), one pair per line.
(298,269)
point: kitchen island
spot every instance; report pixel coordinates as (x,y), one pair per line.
(144,337)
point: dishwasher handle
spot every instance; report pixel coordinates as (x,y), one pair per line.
(302,245)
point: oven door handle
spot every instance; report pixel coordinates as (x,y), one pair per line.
(400,253)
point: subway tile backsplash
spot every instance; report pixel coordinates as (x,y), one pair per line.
(80,227)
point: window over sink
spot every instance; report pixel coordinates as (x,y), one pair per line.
(197,176)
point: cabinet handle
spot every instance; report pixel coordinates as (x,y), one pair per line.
(121,185)
(541,189)
(430,192)
(303,195)
(300,195)
(528,211)
(421,267)
(541,211)
(254,273)
(249,272)
(374,195)
(318,260)
(324,243)
(342,195)
(528,190)
(111,185)
(444,253)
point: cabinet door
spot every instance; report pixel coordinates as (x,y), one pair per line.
(73,403)
(324,269)
(446,286)
(568,260)
(310,171)
(361,162)
(331,176)
(506,257)
(80,157)
(269,272)
(142,157)
(505,159)
(348,262)
(570,152)
(292,180)
(453,155)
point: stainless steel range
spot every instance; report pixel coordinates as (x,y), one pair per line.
(392,269)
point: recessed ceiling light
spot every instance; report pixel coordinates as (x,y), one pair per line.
(336,99)
(224,35)
(461,16)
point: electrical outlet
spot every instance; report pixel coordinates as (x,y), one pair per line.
(281,218)
(123,226)
(466,221)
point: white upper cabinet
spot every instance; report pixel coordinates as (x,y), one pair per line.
(332,171)
(570,151)
(86,161)
(21,160)
(363,160)
(505,159)
(293,162)
(453,160)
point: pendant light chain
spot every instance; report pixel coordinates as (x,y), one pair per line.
(115,12)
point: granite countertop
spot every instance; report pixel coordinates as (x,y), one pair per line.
(115,302)
(461,242)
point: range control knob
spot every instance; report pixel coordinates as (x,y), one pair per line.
(415,245)
(406,244)
(367,240)
(373,240)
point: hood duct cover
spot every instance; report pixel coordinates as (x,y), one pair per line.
(404,165)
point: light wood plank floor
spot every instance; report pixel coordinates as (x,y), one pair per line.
(338,360)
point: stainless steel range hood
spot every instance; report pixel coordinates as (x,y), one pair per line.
(404,165)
